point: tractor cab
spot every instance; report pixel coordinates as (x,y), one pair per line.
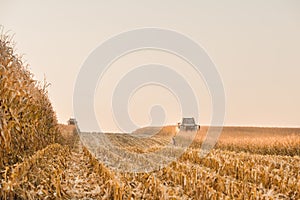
(188,124)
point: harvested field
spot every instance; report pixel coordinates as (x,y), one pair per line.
(222,174)
(40,159)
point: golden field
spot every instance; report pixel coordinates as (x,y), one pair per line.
(70,171)
(41,159)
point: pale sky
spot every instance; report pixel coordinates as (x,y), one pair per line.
(255,46)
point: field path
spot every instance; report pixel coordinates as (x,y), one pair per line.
(80,181)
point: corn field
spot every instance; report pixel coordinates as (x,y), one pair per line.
(40,159)
(27,120)
(72,171)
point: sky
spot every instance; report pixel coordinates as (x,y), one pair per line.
(255,46)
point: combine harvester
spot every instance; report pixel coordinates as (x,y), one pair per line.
(188,124)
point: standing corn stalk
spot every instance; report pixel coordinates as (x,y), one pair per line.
(27,120)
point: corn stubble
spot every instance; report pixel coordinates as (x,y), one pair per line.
(34,166)
(222,174)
